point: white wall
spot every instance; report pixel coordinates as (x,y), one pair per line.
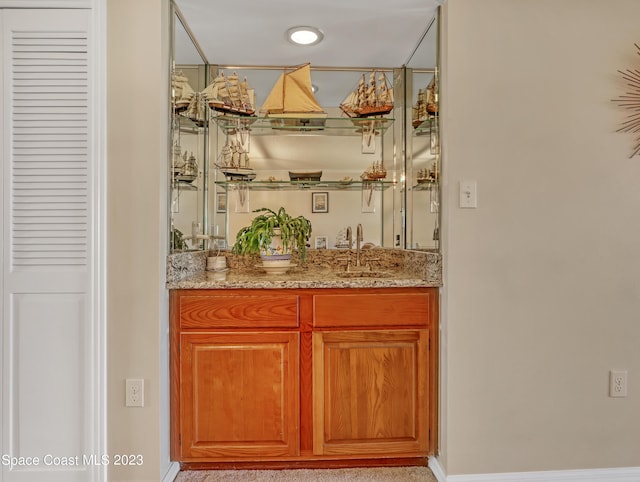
(137,224)
(541,295)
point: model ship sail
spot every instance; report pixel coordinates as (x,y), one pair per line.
(292,96)
(182,92)
(233,162)
(427,104)
(228,94)
(374,172)
(369,98)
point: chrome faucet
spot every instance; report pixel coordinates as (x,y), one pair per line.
(349,237)
(359,239)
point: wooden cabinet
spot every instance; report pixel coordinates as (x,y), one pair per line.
(304,377)
(239,394)
(370,392)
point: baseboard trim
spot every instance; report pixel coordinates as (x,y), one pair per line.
(621,474)
(172,473)
(436,468)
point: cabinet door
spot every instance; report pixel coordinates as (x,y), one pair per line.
(240,395)
(370,392)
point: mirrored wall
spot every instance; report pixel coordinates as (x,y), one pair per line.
(400,210)
(423,144)
(187,164)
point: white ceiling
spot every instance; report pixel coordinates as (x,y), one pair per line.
(357,33)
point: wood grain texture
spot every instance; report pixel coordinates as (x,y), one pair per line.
(239,394)
(323,463)
(235,310)
(356,310)
(229,349)
(175,394)
(370,392)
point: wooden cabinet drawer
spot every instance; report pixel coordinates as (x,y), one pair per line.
(264,310)
(374,309)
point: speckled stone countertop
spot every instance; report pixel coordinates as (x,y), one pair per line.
(401,268)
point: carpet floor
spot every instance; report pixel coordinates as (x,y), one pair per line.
(382,474)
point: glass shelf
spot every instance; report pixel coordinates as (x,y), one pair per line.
(184,186)
(424,128)
(425,186)
(334,126)
(187,125)
(310,185)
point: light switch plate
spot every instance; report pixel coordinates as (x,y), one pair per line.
(468,194)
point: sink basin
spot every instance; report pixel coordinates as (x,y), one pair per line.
(363,274)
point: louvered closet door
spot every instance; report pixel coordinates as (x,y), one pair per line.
(47,169)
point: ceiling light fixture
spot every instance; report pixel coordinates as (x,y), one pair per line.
(304,35)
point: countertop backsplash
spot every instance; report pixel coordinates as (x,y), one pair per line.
(188,269)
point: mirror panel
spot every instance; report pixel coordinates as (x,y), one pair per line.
(336,150)
(188,135)
(423,146)
(401,211)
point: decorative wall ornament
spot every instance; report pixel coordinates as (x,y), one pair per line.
(631,101)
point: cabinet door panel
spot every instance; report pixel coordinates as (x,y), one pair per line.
(239,395)
(370,392)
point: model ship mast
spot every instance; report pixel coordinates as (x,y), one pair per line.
(182,92)
(427,103)
(369,98)
(227,94)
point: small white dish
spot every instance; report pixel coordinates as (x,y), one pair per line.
(276,269)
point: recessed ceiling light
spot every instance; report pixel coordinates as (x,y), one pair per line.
(304,35)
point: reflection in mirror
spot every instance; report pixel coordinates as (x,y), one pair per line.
(423,144)
(188,136)
(274,153)
(204,204)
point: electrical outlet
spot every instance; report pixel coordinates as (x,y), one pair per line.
(618,383)
(134,389)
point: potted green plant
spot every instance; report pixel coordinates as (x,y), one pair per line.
(274,234)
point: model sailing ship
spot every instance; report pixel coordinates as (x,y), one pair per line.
(374,172)
(369,98)
(182,92)
(233,162)
(292,98)
(426,105)
(229,95)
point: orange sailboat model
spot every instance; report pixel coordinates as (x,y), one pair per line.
(292,97)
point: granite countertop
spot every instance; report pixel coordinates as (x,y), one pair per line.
(323,269)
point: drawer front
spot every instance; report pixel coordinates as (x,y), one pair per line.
(239,311)
(370,310)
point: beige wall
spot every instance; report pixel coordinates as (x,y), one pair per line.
(137,305)
(542,293)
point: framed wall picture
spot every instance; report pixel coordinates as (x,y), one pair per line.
(221,202)
(319,202)
(321,242)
